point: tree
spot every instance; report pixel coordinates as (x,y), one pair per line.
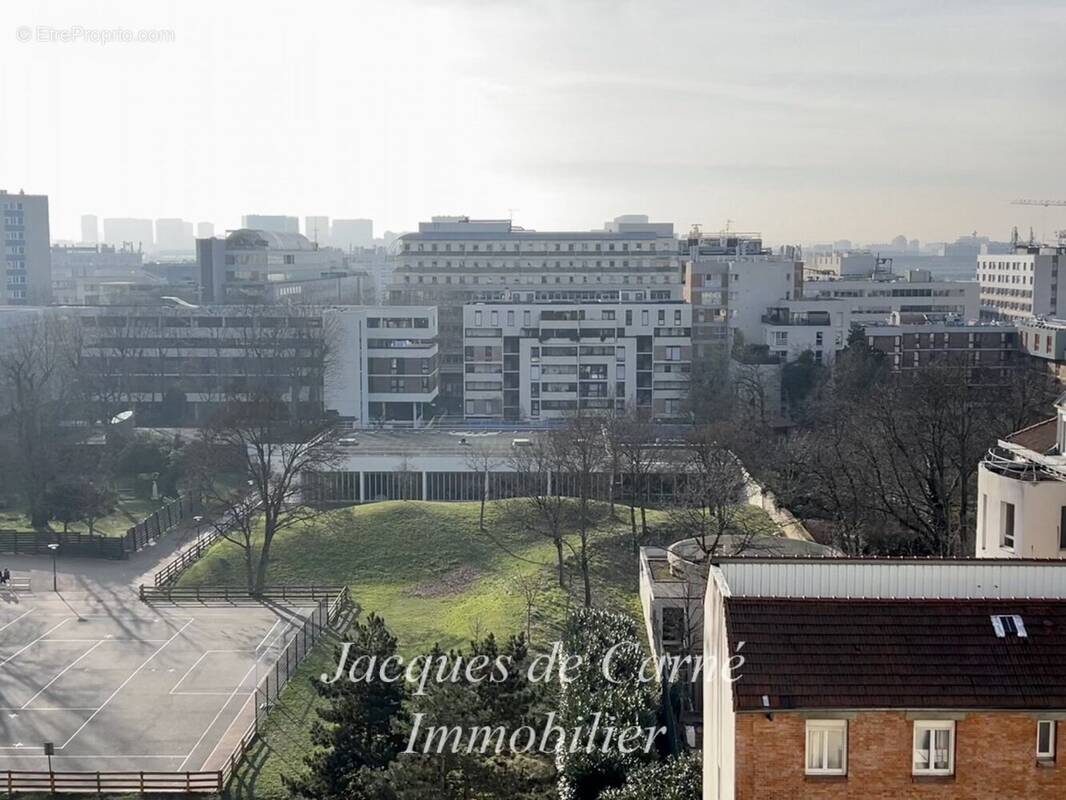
(64,500)
(530,587)
(540,507)
(482,461)
(356,735)
(582,445)
(632,440)
(97,501)
(679,778)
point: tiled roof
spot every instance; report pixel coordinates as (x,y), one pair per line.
(1040,438)
(921,654)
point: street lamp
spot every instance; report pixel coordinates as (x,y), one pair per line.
(198,519)
(54,547)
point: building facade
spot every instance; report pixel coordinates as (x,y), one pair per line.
(541,361)
(990,350)
(1022,284)
(26,258)
(854,685)
(1044,342)
(274,223)
(452,261)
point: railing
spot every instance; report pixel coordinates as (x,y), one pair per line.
(194,552)
(206,594)
(70,544)
(111,782)
(159,522)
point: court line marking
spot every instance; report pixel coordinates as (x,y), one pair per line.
(132,675)
(61,673)
(211,724)
(31,644)
(267,636)
(16,619)
(53,708)
(42,755)
(107,639)
(174,690)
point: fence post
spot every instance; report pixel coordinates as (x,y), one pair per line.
(142,783)
(99,786)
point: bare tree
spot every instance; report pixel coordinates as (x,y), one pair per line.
(540,507)
(632,442)
(583,450)
(530,586)
(482,460)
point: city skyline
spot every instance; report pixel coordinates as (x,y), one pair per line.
(806,124)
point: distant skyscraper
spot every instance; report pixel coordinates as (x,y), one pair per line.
(347,233)
(173,236)
(136,232)
(205,230)
(276,223)
(90,229)
(26,257)
(317,229)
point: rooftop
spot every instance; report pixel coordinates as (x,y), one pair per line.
(830,654)
(1040,438)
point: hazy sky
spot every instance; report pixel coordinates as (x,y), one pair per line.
(805,120)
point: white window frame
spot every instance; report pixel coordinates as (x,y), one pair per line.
(933,726)
(1046,755)
(822,728)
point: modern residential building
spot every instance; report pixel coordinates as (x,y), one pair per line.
(173,366)
(1021,493)
(275,223)
(262,266)
(883,678)
(913,341)
(1024,283)
(135,233)
(1044,341)
(847,264)
(90,274)
(538,361)
(795,327)
(173,236)
(349,233)
(452,261)
(90,229)
(26,259)
(730,279)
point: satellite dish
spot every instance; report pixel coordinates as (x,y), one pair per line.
(124,416)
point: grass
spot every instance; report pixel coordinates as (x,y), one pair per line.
(435,577)
(129,511)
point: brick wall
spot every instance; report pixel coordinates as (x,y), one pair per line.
(995,758)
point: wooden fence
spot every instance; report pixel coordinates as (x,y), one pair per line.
(229,594)
(111,782)
(70,544)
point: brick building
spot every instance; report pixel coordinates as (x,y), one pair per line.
(885,679)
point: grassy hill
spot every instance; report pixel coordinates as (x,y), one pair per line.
(435,578)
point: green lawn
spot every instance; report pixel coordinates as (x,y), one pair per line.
(129,512)
(434,577)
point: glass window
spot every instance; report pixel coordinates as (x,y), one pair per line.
(1007,514)
(934,747)
(1045,739)
(827,747)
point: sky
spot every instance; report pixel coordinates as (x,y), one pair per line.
(808,121)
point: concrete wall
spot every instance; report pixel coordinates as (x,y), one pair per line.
(1037,516)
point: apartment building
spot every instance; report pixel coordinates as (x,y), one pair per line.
(90,274)
(1044,342)
(883,678)
(175,366)
(912,344)
(452,261)
(274,223)
(730,281)
(1021,491)
(799,326)
(539,361)
(1022,284)
(253,266)
(25,262)
(847,263)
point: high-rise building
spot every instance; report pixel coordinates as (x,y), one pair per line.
(1024,283)
(275,223)
(205,230)
(452,261)
(349,233)
(136,233)
(317,229)
(173,236)
(90,229)
(26,257)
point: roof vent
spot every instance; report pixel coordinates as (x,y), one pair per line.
(1008,625)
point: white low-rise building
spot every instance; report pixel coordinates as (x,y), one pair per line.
(1021,505)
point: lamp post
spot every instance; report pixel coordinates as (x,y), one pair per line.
(54,547)
(198,519)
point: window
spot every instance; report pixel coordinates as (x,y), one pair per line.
(477,319)
(1045,739)
(1008,625)
(934,748)
(1062,528)
(827,747)
(1007,524)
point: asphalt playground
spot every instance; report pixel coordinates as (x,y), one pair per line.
(127,686)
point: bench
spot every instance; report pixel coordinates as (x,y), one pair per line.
(18,583)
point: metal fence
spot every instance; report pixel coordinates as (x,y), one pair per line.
(160,521)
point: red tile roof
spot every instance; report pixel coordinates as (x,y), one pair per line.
(1040,438)
(922,654)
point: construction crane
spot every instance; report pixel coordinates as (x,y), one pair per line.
(1044,203)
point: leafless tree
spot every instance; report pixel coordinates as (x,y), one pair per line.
(583,450)
(540,507)
(632,440)
(482,460)
(530,586)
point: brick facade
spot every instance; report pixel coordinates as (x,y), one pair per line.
(995,759)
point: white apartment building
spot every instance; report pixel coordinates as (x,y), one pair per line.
(844,264)
(25,261)
(1021,491)
(452,261)
(798,326)
(1022,284)
(539,361)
